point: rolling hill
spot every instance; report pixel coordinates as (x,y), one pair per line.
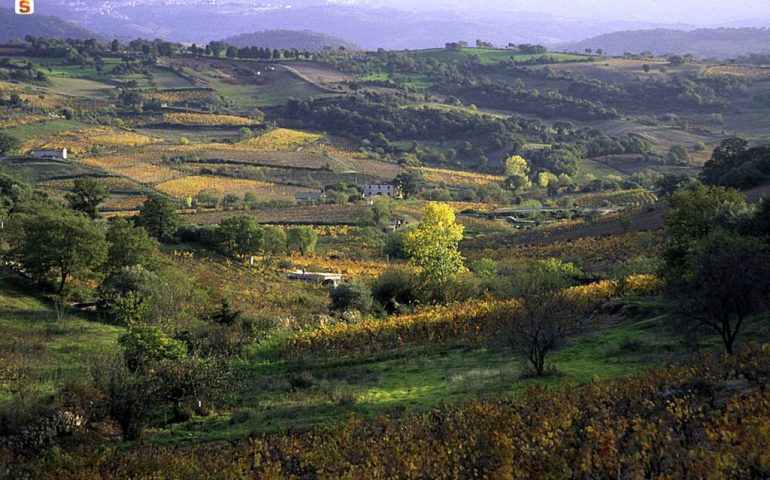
(300,39)
(18,26)
(704,42)
(370,26)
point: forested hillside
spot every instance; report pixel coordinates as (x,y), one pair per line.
(305,40)
(18,26)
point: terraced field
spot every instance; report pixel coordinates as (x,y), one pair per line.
(80,87)
(745,71)
(57,178)
(18,120)
(38,170)
(182,96)
(299,160)
(82,141)
(192,185)
(147,156)
(149,173)
(208,119)
(298,215)
(29,132)
(458,178)
(281,139)
(164,77)
(320,74)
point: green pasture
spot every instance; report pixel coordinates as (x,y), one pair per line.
(492,55)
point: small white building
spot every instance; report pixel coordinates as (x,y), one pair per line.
(379,189)
(51,153)
(326,279)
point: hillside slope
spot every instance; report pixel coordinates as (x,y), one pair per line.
(283,39)
(705,43)
(18,26)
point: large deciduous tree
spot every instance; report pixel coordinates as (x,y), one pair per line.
(724,158)
(517,173)
(57,241)
(434,244)
(408,183)
(691,217)
(158,216)
(87,195)
(130,246)
(273,241)
(127,296)
(729,281)
(302,239)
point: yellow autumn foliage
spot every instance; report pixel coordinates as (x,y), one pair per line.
(280,139)
(458,177)
(191,185)
(207,119)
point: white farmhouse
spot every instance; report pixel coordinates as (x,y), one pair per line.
(379,189)
(57,153)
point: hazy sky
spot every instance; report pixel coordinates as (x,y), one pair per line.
(658,11)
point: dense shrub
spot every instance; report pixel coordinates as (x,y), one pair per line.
(352,295)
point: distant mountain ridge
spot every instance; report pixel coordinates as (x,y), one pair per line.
(283,39)
(308,25)
(703,42)
(18,26)
(369,27)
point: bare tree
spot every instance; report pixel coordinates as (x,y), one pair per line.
(540,324)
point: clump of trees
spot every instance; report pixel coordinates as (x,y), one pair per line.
(716,260)
(8,143)
(241,236)
(176,352)
(379,119)
(56,241)
(734,164)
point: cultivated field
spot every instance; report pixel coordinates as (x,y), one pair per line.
(249,84)
(83,141)
(458,178)
(192,185)
(207,119)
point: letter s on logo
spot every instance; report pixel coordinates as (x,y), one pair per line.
(25,7)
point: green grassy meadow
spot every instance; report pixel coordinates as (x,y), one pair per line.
(80,86)
(249,96)
(165,78)
(47,347)
(414,80)
(32,130)
(276,394)
(492,55)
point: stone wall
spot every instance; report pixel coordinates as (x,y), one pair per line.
(44,431)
